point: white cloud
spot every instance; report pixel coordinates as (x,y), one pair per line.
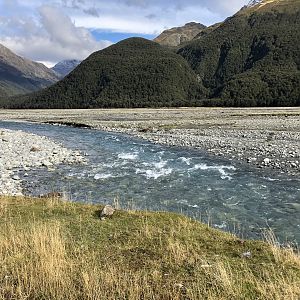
(151,17)
(146,21)
(54,30)
(216,6)
(53,39)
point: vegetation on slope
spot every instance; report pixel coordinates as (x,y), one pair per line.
(51,249)
(253,58)
(133,73)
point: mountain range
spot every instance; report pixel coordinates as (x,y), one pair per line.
(19,75)
(132,73)
(250,59)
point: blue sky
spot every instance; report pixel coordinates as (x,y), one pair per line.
(117,36)
(50,31)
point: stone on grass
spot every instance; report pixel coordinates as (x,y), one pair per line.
(247,254)
(107,211)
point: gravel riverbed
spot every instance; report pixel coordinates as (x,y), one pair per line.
(261,137)
(21,151)
(275,150)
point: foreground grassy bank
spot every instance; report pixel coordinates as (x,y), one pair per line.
(51,249)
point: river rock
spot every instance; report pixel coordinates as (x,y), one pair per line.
(107,211)
(47,163)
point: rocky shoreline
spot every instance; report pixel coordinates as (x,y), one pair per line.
(267,150)
(21,151)
(265,138)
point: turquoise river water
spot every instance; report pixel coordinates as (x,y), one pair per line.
(142,175)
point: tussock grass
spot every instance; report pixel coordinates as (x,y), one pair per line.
(50,249)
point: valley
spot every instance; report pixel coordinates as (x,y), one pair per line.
(141,158)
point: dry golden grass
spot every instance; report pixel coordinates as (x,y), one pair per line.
(57,250)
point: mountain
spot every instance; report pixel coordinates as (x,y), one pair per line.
(65,67)
(19,75)
(204,32)
(178,35)
(252,58)
(132,73)
(253,3)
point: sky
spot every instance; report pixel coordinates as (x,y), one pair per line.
(52,31)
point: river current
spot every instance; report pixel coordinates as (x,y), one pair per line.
(142,175)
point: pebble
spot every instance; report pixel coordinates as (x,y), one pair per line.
(247,254)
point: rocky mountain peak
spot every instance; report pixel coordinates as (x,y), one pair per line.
(65,67)
(27,67)
(253,3)
(178,35)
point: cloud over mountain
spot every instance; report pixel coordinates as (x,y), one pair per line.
(63,29)
(54,37)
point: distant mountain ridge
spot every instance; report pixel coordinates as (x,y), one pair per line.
(178,35)
(250,59)
(19,75)
(65,67)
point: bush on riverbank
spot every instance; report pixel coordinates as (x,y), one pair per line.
(51,249)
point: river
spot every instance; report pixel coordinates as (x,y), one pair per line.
(142,175)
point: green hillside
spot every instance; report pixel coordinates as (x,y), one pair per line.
(133,73)
(253,58)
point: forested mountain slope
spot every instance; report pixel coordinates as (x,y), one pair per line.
(253,58)
(133,73)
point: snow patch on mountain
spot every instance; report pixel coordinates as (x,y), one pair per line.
(254,2)
(64,67)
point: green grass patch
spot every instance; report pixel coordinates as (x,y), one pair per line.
(51,249)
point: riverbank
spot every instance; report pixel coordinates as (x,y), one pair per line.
(53,249)
(21,151)
(267,138)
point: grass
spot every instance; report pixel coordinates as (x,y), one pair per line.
(50,249)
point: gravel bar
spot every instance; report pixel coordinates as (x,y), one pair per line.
(21,151)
